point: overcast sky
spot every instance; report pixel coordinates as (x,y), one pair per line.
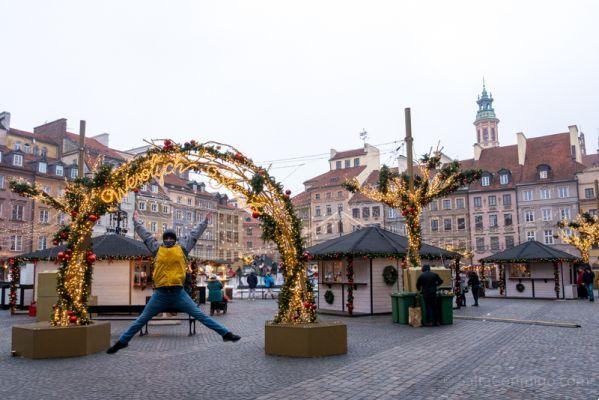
(281,79)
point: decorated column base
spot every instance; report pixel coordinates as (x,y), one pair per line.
(41,340)
(319,339)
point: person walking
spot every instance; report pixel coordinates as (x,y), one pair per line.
(252,280)
(582,290)
(474,284)
(170,265)
(269,283)
(215,294)
(427,284)
(239,274)
(588,278)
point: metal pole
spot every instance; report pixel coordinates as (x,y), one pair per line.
(81,146)
(409,141)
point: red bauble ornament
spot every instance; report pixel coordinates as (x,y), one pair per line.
(288,192)
(167,143)
(11,260)
(256,214)
(73,319)
(55,242)
(93,218)
(69,251)
(135,190)
(73,214)
(70,313)
(60,254)
(67,257)
(91,258)
(63,235)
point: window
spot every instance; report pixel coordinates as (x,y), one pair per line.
(317,196)
(459,203)
(16,243)
(59,170)
(329,228)
(447,204)
(178,231)
(1,181)
(17,160)
(509,242)
(154,207)
(44,151)
(154,188)
(249,245)
(365,212)
(493,221)
(529,216)
(179,214)
(376,212)
(44,216)
(178,199)
(543,174)
(531,235)
(546,214)
(164,227)
(485,180)
(17,212)
(41,243)
(447,224)
(494,243)
(318,230)
(27,148)
(153,226)
(548,236)
(504,179)
(492,201)
(47,189)
(61,218)
(461,224)
(563,192)
(434,225)
(356,162)
(338,165)
(507,219)
(328,195)
(434,205)
(564,213)
(42,167)
(527,195)
(165,209)
(507,200)
(141,206)
(329,209)
(355,212)
(544,194)
(317,211)
(392,213)
(589,193)
(74,173)
(347,163)
(478,202)
(478,222)
(480,243)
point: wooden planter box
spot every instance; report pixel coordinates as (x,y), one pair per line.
(41,340)
(305,340)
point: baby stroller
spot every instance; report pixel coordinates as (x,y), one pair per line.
(219,306)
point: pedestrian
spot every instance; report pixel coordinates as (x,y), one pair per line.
(239,273)
(582,290)
(252,280)
(474,283)
(463,289)
(588,278)
(427,284)
(215,294)
(269,283)
(170,264)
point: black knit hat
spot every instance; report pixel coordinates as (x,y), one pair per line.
(169,233)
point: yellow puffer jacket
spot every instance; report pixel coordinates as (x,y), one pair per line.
(170,266)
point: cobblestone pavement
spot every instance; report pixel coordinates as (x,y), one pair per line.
(470,359)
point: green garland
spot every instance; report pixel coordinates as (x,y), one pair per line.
(390,274)
(329,297)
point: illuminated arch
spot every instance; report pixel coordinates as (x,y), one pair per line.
(86,199)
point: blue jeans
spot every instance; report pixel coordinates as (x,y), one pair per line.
(165,299)
(589,287)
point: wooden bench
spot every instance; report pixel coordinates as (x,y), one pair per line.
(135,309)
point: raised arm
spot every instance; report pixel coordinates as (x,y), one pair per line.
(190,241)
(148,239)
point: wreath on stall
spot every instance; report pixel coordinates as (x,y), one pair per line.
(390,274)
(329,297)
(520,287)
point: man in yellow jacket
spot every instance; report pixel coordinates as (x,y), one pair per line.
(170,266)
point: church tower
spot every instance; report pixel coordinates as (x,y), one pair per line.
(487,134)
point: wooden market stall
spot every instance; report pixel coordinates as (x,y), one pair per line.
(535,270)
(358,272)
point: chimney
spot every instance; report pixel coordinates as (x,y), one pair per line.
(575,151)
(102,138)
(4,126)
(521,141)
(477,150)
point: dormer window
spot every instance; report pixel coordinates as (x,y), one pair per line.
(44,151)
(73,173)
(543,171)
(338,165)
(42,167)
(485,180)
(154,188)
(17,145)
(27,148)
(17,160)
(543,174)
(347,163)
(504,177)
(59,170)
(356,162)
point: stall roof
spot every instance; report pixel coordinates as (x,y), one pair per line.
(374,242)
(530,251)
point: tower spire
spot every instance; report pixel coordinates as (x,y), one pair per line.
(486,121)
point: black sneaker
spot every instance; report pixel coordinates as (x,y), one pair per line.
(230,337)
(116,347)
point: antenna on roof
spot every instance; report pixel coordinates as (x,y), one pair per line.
(363,135)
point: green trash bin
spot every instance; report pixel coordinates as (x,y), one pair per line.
(400,302)
(446,301)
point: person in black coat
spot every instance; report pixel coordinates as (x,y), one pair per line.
(588,278)
(427,284)
(474,283)
(252,280)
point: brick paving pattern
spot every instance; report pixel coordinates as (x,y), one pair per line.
(471,359)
